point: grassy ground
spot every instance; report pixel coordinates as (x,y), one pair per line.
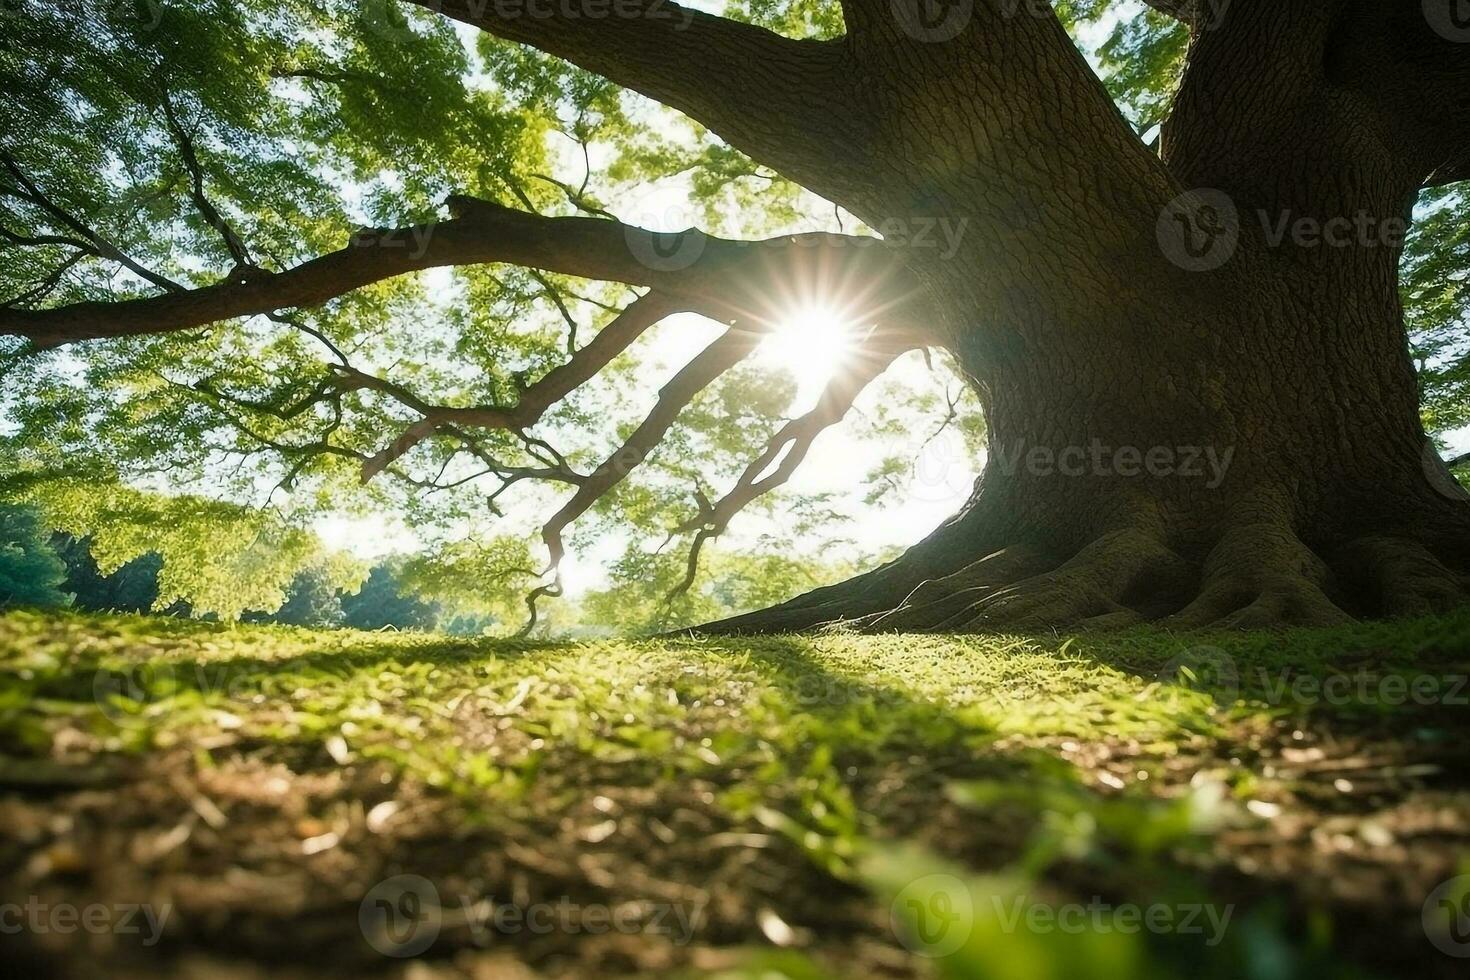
(255,801)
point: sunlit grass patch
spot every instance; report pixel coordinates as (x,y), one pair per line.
(790,789)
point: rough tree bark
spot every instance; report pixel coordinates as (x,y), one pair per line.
(1106,308)
(1193,363)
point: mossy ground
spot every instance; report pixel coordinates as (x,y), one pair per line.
(832,805)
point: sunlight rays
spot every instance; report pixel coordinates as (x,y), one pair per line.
(812,343)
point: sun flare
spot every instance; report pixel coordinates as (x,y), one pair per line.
(812,343)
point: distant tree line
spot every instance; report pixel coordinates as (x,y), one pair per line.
(47,569)
(455,593)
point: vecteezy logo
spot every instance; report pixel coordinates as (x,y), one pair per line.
(933,915)
(388,19)
(665,251)
(1207,669)
(400,916)
(942,470)
(1439,475)
(1446,917)
(1199,230)
(932,21)
(122,695)
(1449,18)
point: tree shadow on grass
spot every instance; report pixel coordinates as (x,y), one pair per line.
(829,749)
(1240,679)
(89,675)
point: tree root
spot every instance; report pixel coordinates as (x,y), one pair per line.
(1256,576)
(1103,585)
(938,601)
(1260,576)
(1399,577)
(1019,587)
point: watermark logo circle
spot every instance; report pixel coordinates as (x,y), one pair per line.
(1199,230)
(1439,475)
(141,15)
(1206,669)
(664,251)
(1450,19)
(123,695)
(1210,14)
(400,916)
(941,471)
(389,19)
(933,21)
(1446,917)
(933,915)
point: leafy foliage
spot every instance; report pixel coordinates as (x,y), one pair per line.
(31,573)
(384,601)
(1141,57)
(219,557)
(1436,288)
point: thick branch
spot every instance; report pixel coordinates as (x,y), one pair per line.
(988,110)
(1323,107)
(719,277)
(777,99)
(1254,94)
(1409,63)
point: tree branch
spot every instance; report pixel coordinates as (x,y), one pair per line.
(43,288)
(15,238)
(730,349)
(201,200)
(101,246)
(705,66)
(788,448)
(719,277)
(557,383)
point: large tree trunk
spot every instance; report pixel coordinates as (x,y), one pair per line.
(1241,450)
(1200,410)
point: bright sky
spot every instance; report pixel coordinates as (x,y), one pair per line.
(810,347)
